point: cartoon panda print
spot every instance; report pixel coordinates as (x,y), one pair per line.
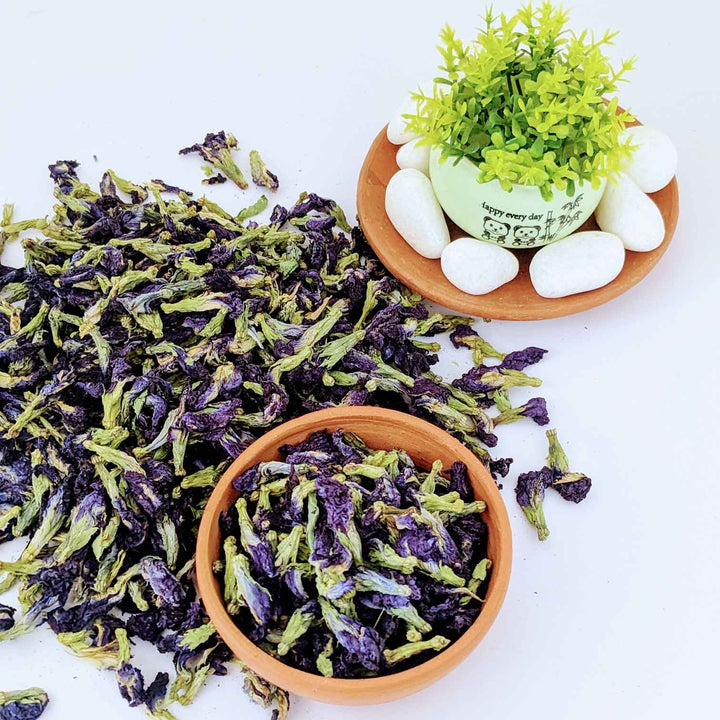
(525,234)
(495,230)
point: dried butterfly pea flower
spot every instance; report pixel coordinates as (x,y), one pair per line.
(131,684)
(265,694)
(463,335)
(520,359)
(360,641)
(261,175)
(556,474)
(436,643)
(377,555)
(256,208)
(217,150)
(166,187)
(22,704)
(259,550)
(479,575)
(571,486)
(155,697)
(101,645)
(7,615)
(87,518)
(535,409)
(484,379)
(530,493)
(164,584)
(255,597)
(298,624)
(324,662)
(213,179)
(148,334)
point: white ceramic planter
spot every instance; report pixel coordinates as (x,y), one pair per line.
(517,219)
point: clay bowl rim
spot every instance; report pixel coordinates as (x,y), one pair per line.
(358,690)
(516,300)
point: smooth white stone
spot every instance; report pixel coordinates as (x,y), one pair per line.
(478,267)
(396,132)
(411,156)
(626,211)
(580,262)
(655,159)
(413,209)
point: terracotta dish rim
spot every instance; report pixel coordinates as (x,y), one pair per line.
(388,424)
(516,300)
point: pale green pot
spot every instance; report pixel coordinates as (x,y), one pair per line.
(515,219)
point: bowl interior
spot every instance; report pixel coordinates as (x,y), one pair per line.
(380,429)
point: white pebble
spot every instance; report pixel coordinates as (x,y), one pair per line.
(477,267)
(396,132)
(413,209)
(580,262)
(410,155)
(626,211)
(655,159)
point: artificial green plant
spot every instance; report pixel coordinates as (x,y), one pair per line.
(529,101)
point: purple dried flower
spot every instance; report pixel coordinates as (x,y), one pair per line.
(336,501)
(155,692)
(472,380)
(217,150)
(308,203)
(164,584)
(319,224)
(150,344)
(520,359)
(530,492)
(460,333)
(131,684)
(360,641)
(7,614)
(536,410)
(293,579)
(500,466)
(63,174)
(22,704)
(459,481)
(166,187)
(217,179)
(571,486)
(258,549)
(279,215)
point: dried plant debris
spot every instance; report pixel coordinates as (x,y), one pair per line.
(7,617)
(217,149)
(351,562)
(260,174)
(22,704)
(149,339)
(530,489)
(265,694)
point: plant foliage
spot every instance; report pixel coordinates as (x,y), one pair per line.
(528,101)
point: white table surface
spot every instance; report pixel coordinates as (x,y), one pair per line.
(615,616)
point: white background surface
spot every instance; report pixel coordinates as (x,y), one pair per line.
(615,616)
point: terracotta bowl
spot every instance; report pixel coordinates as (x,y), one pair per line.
(381,429)
(517,300)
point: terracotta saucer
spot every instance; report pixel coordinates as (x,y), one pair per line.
(381,429)
(516,300)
